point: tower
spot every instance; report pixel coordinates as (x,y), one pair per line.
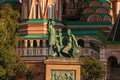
(41,9)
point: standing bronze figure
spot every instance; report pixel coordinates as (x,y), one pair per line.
(57,48)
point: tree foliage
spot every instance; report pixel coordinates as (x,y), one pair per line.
(92,69)
(32,72)
(9,60)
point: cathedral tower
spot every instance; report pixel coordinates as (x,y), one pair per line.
(41,9)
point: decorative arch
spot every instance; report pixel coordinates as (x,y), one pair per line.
(106,4)
(81,43)
(50,12)
(22,42)
(34,43)
(19,45)
(101,10)
(94,44)
(113,53)
(28,43)
(113,66)
(47,43)
(95,4)
(107,18)
(41,43)
(6,5)
(94,18)
(112,62)
(88,10)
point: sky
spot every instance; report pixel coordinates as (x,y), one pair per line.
(20,0)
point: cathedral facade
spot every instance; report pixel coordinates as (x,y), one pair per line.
(91,21)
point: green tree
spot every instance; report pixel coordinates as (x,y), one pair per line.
(9,60)
(32,72)
(91,69)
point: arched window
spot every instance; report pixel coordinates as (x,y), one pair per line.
(47,43)
(94,45)
(41,43)
(95,4)
(113,67)
(102,11)
(88,10)
(80,42)
(112,62)
(94,18)
(19,44)
(107,18)
(22,43)
(34,43)
(28,43)
(37,9)
(50,12)
(106,5)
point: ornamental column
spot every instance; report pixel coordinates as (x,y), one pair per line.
(31,43)
(44,43)
(25,42)
(38,43)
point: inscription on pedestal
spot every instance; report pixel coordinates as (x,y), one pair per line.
(63,75)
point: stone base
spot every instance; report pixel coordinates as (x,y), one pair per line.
(62,69)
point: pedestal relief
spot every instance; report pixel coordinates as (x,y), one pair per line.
(62,69)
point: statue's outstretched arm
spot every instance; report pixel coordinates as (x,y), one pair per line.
(74,39)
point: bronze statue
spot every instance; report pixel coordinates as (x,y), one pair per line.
(72,46)
(59,44)
(52,35)
(52,32)
(57,48)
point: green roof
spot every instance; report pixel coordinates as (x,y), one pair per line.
(101,1)
(33,21)
(100,14)
(75,32)
(88,33)
(38,21)
(83,24)
(33,36)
